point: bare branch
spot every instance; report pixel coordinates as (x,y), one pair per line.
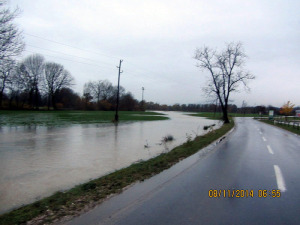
(11,40)
(226,71)
(56,78)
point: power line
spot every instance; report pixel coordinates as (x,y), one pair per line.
(132,72)
(70,45)
(69,54)
(141,69)
(114,57)
(67,59)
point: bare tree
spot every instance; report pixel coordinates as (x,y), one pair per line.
(226,72)
(244,105)
(100,90)
(6,76)
(97,90)
(30,71)
(16,88)
(11,43)
(128,103)
(56,78)
(122,92)
(87,94)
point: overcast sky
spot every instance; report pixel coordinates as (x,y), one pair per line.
(157,41)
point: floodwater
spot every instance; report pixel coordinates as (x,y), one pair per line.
(38,161)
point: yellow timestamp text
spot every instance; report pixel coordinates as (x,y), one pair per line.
(243,193)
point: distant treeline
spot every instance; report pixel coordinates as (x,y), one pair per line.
(35,84)
(212,108)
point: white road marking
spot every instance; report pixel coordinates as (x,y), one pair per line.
(279,178)
(264,139)
(260,132)
(270,150)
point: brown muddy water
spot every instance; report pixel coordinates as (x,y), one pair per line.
(38,161)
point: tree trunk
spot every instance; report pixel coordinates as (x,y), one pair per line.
(1,97)
(225,117)
(30,99)
(10,102)
(17,100)
(36,98)
(53,102)
(48,102)
(225,114)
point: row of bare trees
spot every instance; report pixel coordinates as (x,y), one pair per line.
(101,95)
(27,81)
(34,83)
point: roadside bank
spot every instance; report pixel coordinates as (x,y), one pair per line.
(290,128)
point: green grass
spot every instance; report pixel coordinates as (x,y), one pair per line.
(218,115)
(286,127)
(285,119)
(63,118)
(95,191)
(208,115)
(246,115)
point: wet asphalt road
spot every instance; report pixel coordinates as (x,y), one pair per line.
(254,157)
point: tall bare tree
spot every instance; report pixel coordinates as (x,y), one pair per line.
(87,94)
(226,69)
(11,42)
(6,76)
(107,90)
(30,71)
(100,90)
(56,78)
(11,45)
(96,89)
(16,88)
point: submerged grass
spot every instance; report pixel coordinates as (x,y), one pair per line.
(64,118)
(73,201)
(286,127)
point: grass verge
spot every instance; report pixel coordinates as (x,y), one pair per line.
(285,127)
(208,115)
(73,201)
(64,118)
(218,115)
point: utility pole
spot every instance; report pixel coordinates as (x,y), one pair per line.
(117,108)
(143,98)
(143,93)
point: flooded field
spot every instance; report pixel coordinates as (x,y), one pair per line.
(38,161)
